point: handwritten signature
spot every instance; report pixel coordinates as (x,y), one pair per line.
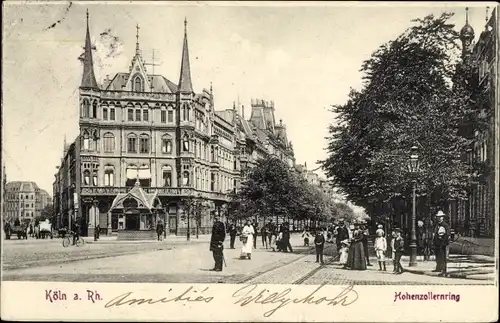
(186,296)
(245,295)
(248,294)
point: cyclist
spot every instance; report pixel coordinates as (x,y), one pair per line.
(76,232)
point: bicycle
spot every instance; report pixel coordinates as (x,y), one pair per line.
(69,238)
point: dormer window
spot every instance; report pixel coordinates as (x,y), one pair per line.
(138,84)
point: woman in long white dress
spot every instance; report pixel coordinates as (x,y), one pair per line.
(247,235)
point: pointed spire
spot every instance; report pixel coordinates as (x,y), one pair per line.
(243,111)
(466,15)
(88,79)
(185,84)
(487,15)
(137,40)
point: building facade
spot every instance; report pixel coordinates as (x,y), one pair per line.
(24,201)
(475,215)
(141,129)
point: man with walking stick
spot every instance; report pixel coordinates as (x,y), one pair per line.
(217,243)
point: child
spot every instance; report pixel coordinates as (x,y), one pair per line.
(319,242)
(380,228)
(380,248)
(305,235)
(399,248)
(393,250)
(344,252)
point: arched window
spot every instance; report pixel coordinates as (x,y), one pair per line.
(138,112)
(167,175)
(85,140)
(112,113)
(94,109)
(95,180)
(166,144)
(86,177)
(109,175)
(138,87)
(185,143)
(163,116)
(170,114)
(105,113)
(132,143)
(145,114)
(109,142)
(144,144)
(185,178)
(85,108)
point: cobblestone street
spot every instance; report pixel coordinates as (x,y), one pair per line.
(176,260)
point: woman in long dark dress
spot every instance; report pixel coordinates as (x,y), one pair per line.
(356,259)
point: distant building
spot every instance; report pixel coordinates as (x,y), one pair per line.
(475,215)
(24,201)
(147,146)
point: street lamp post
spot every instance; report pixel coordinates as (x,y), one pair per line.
(96,210)
(413,168)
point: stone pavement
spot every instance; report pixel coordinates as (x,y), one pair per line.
(474,267)
(167,263)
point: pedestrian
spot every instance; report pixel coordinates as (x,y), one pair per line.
(399,246)
(380,247)
(365,232)
(319,243)
(98,231)
(255,230)
(341,235)
(232,234)
(159,230)
(263,233)
(441,240)
(344,253)
(356,259)
(305,235)
(393,250)
(247,237)
(271,231)
(217,243)
(286,238)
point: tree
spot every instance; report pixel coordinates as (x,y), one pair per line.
(408,99)
(47,213)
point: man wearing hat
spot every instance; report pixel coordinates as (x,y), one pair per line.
(217,243)
(342,234)
(441,240)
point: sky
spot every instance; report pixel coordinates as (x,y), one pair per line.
(304,56)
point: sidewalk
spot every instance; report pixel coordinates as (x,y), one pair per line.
(475,267)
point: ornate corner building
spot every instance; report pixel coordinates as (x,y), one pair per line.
(142,130)
(475,215)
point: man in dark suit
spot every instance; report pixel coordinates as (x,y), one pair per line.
(217,243)
(441,240)
(232,234)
